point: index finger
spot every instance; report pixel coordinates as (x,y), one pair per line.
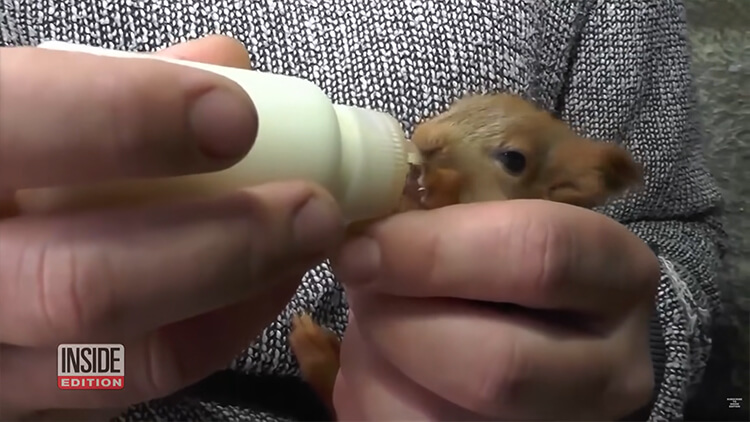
(535,254)
(104,118)
(89,275)
(212,49)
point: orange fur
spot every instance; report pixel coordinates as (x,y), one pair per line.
(460,150)
(317,352)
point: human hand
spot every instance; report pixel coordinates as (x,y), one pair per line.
(185,286)
(428,338)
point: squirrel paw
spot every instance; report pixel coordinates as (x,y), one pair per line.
(317,352)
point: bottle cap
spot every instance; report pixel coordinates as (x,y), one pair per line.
(375,162)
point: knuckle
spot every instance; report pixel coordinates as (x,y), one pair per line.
(250,247)
(546,246)
(127,101)
(236,51)
(259,227)
(627,382)
(162,374)
(117,97)
(72,301)
(58,311)
(436,255)
(643,393)
(502,384)
(628,393)
(639,384)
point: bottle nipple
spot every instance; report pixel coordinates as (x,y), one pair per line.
(427,187)
(413,188)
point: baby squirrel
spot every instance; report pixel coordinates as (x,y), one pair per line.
(490,147)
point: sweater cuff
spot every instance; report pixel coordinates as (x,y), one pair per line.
(684,319)
(656,337)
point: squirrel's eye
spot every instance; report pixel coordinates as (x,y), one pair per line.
(513,161)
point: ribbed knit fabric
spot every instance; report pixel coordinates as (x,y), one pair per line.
(616,70)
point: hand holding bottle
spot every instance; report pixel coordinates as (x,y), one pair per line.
(169,280)
(505,310)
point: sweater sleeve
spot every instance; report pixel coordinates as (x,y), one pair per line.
(630,81)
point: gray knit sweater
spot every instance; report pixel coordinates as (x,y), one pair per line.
(617,70)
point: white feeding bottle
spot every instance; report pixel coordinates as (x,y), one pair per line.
(360,156)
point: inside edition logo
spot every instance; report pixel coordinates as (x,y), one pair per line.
(90,366)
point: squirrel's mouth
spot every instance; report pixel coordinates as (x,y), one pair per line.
(429,185)
(415,190)
(427,188)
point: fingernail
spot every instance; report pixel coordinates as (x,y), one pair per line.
(224,123)
(358,262)
(317,226)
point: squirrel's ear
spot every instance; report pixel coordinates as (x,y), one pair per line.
(618,169)
(589,173)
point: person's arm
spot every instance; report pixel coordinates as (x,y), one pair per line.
(630,81)
(11,33)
